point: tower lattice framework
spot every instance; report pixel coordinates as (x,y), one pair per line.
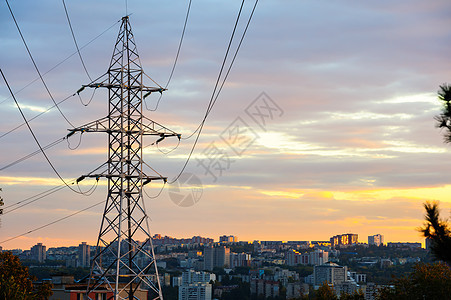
(125,262)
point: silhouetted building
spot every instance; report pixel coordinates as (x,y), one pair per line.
(84,255)
(38,252)
(228,239)
(376,240)
(344,240)
(330,273)
(216,257)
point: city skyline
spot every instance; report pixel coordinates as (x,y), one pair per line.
(376,239)
(348,143)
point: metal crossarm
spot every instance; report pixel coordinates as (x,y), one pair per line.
(124,263)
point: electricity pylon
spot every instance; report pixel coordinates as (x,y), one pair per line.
(122,264)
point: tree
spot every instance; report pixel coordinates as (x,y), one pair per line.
(444,119)
(357,295)
(325,292)
(16,283)
(427,281)
(438,232)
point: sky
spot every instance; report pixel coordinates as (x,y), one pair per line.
(324,126)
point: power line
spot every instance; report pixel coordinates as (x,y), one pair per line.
(52,144)
(176,58)
(54,222)
(46,193)
(235,55)
(35,66)
(228,70)
(63,61)
(36,116)
(34,136)
(37,197)
(50,108)
(214,98)
(75,41)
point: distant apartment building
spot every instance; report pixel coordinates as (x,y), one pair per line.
(410,246)
(294,290)
(330,273)
(83,255)
(195,291)
(191,276)
(344,239)
(293,257)
(228,239)
(377,239)
(266,288)
(240,260)
(427,243)
(317,257)
(65,288)
(38,252)
(216,257)
(201,240)
(357,277)
(194,285)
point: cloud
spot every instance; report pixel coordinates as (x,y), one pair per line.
(355,148)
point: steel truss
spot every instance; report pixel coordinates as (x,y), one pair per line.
(124,263)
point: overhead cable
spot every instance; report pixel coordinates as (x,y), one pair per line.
(35,66)
(213,95)
(63,61)
(175,60)
(75,41)
(54,222)
(47,110)
(34,136)
(46,193)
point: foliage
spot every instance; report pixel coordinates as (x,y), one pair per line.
(241,292)
(241,270)
(16,283)
(170,293)
(444,119)
(358,295)
(47,271)
(438,232)
(427,281)
(325,292)
(302,270)
(240,248)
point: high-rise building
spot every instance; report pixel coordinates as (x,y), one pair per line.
(344,239)
(222,257)
(216,257)
(209,253)
(330,273)
(318,257)
(38,252)
(240,260)
(195,291)
(195,285)
(84,255)
(427,243)
(228,239)
(292,257)
(376,240)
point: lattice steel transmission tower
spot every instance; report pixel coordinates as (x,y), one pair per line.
(123,266)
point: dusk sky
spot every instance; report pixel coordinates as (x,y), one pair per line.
(349,144)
